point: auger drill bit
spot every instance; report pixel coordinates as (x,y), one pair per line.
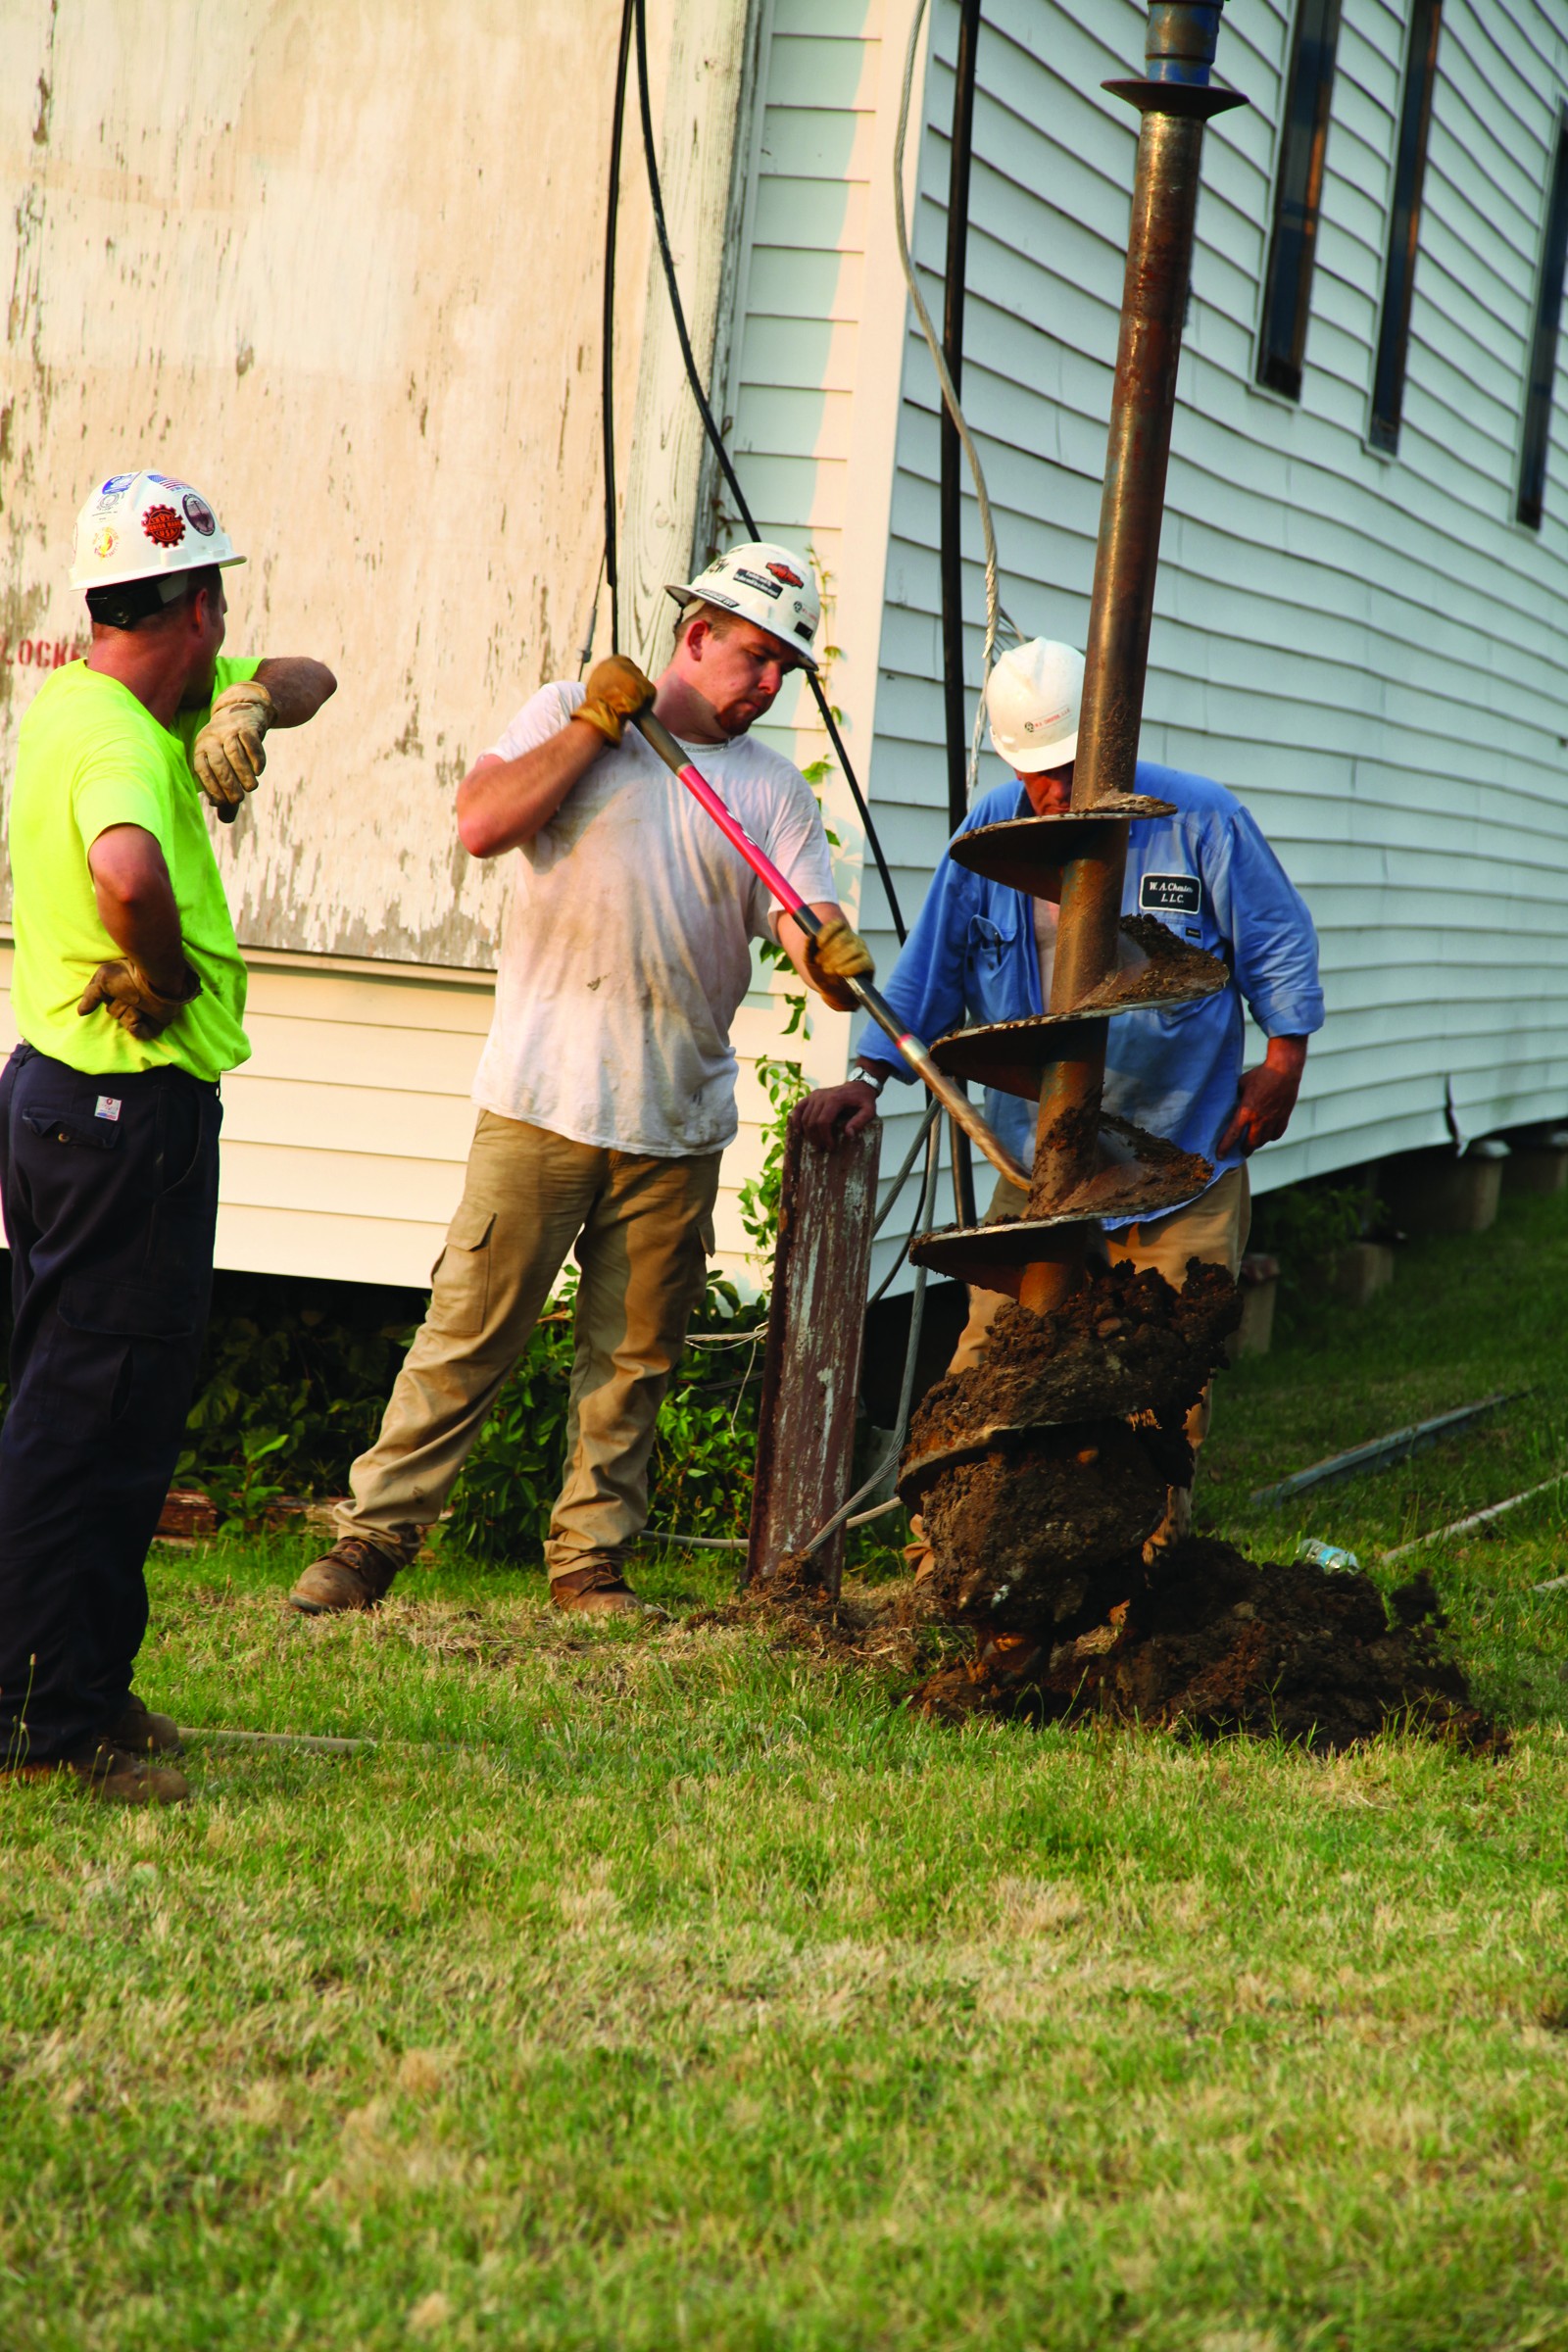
(1087,1166)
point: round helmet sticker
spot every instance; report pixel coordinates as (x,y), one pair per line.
(105,543)
(199,514)
(162,526)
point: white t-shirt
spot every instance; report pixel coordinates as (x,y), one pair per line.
(627,952)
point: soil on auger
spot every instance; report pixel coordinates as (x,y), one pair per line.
(1124,1343)
(1168,959)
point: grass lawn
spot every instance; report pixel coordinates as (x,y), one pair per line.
(646,1988)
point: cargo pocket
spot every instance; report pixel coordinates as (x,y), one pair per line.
(460,1279)
(117,1347)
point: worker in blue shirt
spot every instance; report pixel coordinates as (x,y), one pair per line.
(982,951)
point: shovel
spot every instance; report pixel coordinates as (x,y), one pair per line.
(951,1099)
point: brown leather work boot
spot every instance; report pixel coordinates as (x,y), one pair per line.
(598,1591)
(113,1776)
(353,1575)
(141,1733)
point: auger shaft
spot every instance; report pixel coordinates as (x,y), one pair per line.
(1175,100)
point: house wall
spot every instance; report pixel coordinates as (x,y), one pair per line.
(346,1133)
(1367,650)
(344,269)
(816,365)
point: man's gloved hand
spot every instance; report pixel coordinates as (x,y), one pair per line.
(129,997)
(617,692)
(837,955)
(227,754)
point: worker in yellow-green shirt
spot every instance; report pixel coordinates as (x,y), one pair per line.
(128,991)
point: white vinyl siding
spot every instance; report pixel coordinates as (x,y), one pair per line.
(1368,650)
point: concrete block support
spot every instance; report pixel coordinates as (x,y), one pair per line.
(1537,1165)
(1361,1270)
(1430,1193)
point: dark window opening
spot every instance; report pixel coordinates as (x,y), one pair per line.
(1298,195)
(1544,347)
(1405,223)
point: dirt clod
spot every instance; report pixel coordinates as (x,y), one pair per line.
(1018,1536)
(1212,1644)
(1172,964)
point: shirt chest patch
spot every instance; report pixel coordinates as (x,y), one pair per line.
(1169,894)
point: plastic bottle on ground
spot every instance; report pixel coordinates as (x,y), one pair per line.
(1333,1558)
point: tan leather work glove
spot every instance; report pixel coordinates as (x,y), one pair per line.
(228,755)
(617,692)
(836,954)
(124,991)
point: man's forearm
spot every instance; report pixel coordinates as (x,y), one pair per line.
(151,935)
(297,685)
(137,902)
(504,803)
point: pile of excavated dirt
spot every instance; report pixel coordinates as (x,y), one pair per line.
(1210,1643)
(1124,1343)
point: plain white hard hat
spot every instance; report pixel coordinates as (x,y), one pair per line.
(136,526)
(1032,699)
(768,584)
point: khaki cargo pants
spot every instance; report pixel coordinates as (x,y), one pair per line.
(1214,1227)
(643,1232)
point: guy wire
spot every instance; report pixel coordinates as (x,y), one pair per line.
(638,8)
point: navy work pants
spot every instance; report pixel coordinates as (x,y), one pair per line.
(109,1187)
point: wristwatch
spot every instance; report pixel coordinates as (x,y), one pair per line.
(877,1082)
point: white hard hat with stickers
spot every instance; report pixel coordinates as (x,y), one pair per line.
(143,526)
(765,583)
(1032,700)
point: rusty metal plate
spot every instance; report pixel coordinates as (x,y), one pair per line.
(1028,851)
(1203,100)
(993,1257)
(1014,1056)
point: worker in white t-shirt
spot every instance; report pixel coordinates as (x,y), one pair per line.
(606,1089)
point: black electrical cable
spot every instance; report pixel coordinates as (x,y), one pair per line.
(716,440)
(960,148)
(950,538)
(607,355)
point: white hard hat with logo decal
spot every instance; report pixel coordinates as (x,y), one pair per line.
(141,527)
(767,584)
(1032,699)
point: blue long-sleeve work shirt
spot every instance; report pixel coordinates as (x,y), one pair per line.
(1208,873)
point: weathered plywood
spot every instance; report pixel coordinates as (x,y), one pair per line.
(342,267)
(811,1369)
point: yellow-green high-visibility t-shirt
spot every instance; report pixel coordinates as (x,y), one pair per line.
(91,755)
